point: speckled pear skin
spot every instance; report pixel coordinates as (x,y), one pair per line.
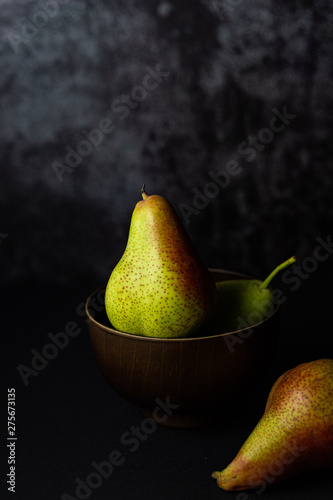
(295,434)
(160,287)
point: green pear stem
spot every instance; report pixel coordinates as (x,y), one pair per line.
(269,278)
(143,192)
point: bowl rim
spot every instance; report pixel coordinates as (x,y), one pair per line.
(133,336)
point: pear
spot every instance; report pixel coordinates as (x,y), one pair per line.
(160,287)
(243,302)
(294,435)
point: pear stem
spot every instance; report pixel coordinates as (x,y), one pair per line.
(269,278)
(143,192)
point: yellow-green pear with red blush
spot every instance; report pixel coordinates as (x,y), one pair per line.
(294,435)
(160,287)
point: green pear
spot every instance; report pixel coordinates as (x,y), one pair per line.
(294,435)
(243,302)
(160,287)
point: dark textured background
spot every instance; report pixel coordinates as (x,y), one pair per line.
(227,72)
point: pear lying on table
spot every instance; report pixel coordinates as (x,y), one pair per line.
(294,435)
(160,287)
(243,302)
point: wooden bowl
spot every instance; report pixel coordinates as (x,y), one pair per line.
(183,382)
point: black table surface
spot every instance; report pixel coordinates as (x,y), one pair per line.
(69,422)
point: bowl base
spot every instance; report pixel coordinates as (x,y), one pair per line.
(185,420)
